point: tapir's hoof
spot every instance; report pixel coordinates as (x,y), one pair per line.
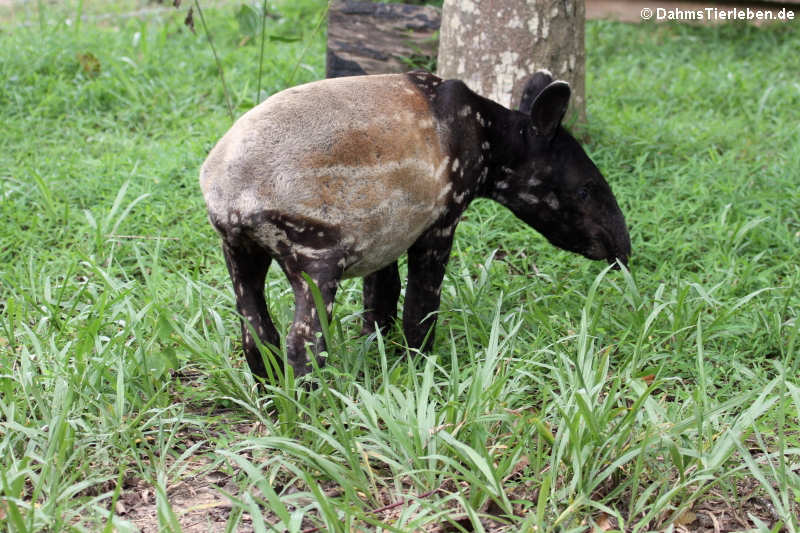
(369,329)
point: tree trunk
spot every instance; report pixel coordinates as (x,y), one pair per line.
(494,45)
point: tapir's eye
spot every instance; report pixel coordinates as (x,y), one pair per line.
(583,193)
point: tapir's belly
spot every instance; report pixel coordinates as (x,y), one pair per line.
(378,210)
(364,159)
(376,233)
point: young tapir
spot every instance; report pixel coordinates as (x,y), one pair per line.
(339,177)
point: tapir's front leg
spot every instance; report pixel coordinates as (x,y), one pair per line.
(381,292)
(427,260)
(306,328)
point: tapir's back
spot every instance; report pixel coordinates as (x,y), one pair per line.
(354,153)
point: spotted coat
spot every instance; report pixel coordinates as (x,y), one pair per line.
(340,177)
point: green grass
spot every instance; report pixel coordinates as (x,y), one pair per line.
(558,394)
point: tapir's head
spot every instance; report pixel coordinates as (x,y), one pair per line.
(552,184)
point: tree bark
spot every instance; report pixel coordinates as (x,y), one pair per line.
(494,45)
(369,38)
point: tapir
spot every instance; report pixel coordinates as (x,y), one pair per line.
(338,178)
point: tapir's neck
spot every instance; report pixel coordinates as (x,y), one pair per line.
(479,135)
(505,135)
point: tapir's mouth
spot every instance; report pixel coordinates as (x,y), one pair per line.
(605,250)
(617,245)
(620,254)
(612,258)
(615,261)
(603,245)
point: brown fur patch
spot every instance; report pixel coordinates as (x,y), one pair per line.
(388,153)
(362,155)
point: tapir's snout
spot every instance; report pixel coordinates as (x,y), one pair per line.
(609,240)
(620,246)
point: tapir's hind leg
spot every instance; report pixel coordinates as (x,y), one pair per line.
(306,328)
(381,292)
(247,266)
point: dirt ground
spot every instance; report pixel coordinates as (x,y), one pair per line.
(200,507)
(200,504)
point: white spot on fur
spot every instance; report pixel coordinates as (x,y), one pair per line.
(240,289)
(464,111)
(455,164)
(485,145)
(445,191)
(552,201)
(440,170)
(528,198)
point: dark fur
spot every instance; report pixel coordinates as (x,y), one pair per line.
(523,159)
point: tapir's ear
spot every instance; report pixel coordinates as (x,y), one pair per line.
(533,86)
(549,108)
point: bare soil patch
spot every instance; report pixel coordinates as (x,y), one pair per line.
(197,502)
